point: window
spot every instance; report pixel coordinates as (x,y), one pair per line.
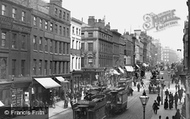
(82,61)
(68,32)
(3,39)
(23,18)
(3,9)
(14,38)
(45,67)
(76,45)
(23,67)
(60,13)
(40,23)
(76,31)
(55,10)
(13,13)
(73,43)
(23,44)
(14,67)
(34,66)
(46,25)
(63,47)
(55,28)
(79,32)
(40,67)
(82,46)
(34,21)
(64,15)
(40,43)
(90,34)
(60,30)
(60,48)
(51,67)
(51,26)
(90,46)
(68,17)
(46,44)
(63,31)
(34,42)
(51,46)
(68,47)
(55,65)
(73,30)
(55,47)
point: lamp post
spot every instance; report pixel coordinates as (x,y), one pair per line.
(144,99)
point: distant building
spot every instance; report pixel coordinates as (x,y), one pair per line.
(169,56)
(75,58)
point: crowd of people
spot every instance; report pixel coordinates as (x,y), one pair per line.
(171,101)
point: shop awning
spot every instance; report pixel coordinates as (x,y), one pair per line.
(113,71)
(1,104)
(47,82)
(61,79)
(129,68)
(121,70)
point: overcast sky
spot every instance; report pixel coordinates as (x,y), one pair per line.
(127,15)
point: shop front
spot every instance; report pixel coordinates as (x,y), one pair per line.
(5,93)
(65,86)
(20,92)
(44,89)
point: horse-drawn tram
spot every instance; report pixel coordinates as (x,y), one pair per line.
(93,108)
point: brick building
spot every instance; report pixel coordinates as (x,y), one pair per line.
(15,32)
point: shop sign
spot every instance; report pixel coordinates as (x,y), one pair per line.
(160,21)
(17,96)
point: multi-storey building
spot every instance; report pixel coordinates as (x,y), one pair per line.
(138,46)
(96,44)
(116,47)
(129,49)
(169,55)
(159,48)
(50,42)
(75,58)
(14,50)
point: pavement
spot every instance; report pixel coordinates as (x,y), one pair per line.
(164,113)
(59,108)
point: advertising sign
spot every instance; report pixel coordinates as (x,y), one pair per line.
(160,21)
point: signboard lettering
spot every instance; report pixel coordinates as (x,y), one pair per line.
(160,21)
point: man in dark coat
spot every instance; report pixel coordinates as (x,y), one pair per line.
(167,93)
(138,87)
(176,99)
(158,99)
(155,106)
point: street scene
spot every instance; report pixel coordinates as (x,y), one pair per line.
(69,59)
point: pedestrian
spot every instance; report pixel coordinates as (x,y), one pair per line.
(180,93)
(173,117)
(166,103)
(138,87)
(177,114)
(176,87)
(158,99)
(176,99)
(155,107)
(167,117)
(160,117)
(167,93)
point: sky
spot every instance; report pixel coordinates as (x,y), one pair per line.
(127,15)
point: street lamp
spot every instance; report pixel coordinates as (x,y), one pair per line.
(144,99)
